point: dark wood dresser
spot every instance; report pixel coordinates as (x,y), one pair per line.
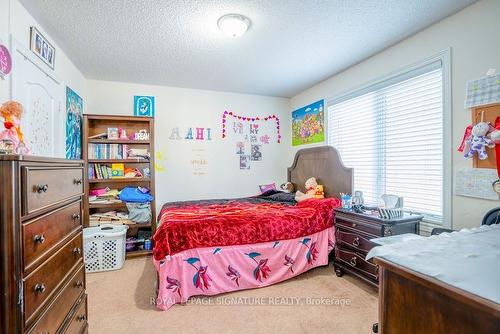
(353,232)
(42,276)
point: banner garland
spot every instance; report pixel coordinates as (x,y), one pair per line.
(250,119)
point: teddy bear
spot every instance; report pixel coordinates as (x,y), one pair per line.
(311,185)
(12,112)
(477,142)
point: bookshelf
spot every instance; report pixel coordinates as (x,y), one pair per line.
(101,153)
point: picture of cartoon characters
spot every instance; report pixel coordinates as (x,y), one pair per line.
(308,124)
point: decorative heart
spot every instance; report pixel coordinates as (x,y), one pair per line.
(255,126)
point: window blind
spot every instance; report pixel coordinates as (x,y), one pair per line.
(392,133)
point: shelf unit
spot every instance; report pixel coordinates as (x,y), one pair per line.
(96,124)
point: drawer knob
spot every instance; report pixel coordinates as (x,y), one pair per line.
(81,317)
(79,284)
(76,216)
(39,239)
(77,181)
(41,188)
(77,250)
(355,242)
(354,224)
(39,288)
(353,261)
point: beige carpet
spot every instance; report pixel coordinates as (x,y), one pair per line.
(120,302)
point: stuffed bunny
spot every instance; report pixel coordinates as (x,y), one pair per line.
(478,141)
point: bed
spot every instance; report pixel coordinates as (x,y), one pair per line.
(211,247)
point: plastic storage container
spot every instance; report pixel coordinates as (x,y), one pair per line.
(104,247)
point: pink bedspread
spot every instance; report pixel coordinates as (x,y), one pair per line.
(214,270)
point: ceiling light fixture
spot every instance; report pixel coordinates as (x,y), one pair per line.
(233,25)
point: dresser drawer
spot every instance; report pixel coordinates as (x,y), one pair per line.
(78,321)
(373,229)
(61,306)
(43,281)
(47,186)
(356,261)
(354,240)
(43,234)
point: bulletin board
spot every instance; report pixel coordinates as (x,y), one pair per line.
(490,114)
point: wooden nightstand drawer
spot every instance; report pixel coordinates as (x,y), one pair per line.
(349,223)
(47,186)
(44,233)
(354,240)
(356,261)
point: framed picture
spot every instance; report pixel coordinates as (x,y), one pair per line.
(144,106)
(74,111)
(308,124)
(40,46)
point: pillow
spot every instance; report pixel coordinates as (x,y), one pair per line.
(266,187)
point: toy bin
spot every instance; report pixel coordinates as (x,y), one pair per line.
(104,247)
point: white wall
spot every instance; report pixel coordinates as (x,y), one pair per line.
(200,108)
(15,21)
(473,35)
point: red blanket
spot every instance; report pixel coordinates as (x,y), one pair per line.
(239,223)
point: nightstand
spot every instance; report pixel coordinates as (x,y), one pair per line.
(353,232)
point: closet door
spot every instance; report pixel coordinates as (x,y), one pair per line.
(37,89)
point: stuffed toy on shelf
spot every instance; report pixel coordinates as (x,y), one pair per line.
(477,141)
(12,113)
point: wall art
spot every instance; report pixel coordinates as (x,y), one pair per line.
(5,61)
(308,124)
(240,147)
(238,125)
(199,161)
(74,111)
(144,106)
(42,48)
(192,133)
(256,153)
(244,162)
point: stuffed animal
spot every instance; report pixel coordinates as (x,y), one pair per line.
(287,187)
(311,185)
(319,193)
(12,112)
(477,141)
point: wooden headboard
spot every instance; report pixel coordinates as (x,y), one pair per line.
(323,163)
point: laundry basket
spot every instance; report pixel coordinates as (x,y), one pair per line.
(104,247)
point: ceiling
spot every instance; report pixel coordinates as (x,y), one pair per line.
(291,45)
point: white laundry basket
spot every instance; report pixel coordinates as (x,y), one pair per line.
(104,247)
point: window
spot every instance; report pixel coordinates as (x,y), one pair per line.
(392,133)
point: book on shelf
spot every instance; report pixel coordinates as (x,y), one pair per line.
(107,151)
(98,171)
(118,170)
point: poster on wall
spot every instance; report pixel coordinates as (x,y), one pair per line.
(144,106)
(74,111)
(308,124)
